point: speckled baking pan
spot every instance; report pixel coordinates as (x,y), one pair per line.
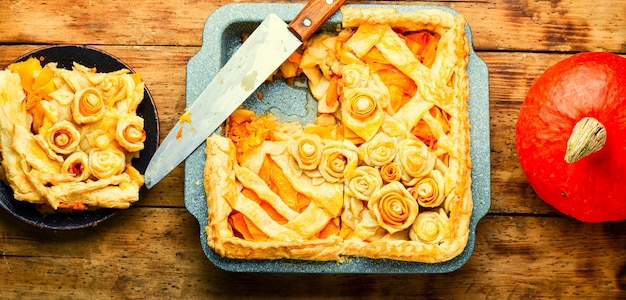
(221,36)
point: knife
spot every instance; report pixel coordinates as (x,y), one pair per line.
(258,57)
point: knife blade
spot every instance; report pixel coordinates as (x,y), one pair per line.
(256,59)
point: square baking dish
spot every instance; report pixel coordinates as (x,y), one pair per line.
(221,37)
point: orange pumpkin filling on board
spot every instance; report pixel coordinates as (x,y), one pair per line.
(383,172)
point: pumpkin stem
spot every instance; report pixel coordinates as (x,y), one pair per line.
(588,136)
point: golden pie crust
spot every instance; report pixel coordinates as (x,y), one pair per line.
(384,172)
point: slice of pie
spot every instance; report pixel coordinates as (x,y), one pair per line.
(383,172)
(67,137)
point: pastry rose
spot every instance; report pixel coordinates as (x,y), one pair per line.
(88,106)
(380,150)
(338,160)
(96,139)
(390,172)
(307,151)
(363,182)
(361,112)
(429,191)
(63,137)
(114,87)
(415,159)
(430,227)
(129,132)
(106,162)
(354,75)
(77,164)
(395,209)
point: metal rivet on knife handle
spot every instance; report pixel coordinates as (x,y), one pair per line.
(313,16)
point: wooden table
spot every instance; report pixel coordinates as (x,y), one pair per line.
(524,248)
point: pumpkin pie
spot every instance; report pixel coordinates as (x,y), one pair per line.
(384,170)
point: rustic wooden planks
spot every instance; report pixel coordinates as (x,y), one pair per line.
(524,248)
(529,25)
(154,253)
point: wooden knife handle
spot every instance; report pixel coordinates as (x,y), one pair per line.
(312,16)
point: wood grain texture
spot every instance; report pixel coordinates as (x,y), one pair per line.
(513,25)
(526,257)
(524,248)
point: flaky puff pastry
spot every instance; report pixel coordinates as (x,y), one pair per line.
(224,178)
(397,175)
(58,135)
(442,94)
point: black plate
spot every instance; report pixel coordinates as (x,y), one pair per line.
(103,62)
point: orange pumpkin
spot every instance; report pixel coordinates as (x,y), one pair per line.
(571,136)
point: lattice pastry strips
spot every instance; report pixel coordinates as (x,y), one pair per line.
(384,172)
(67,136)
